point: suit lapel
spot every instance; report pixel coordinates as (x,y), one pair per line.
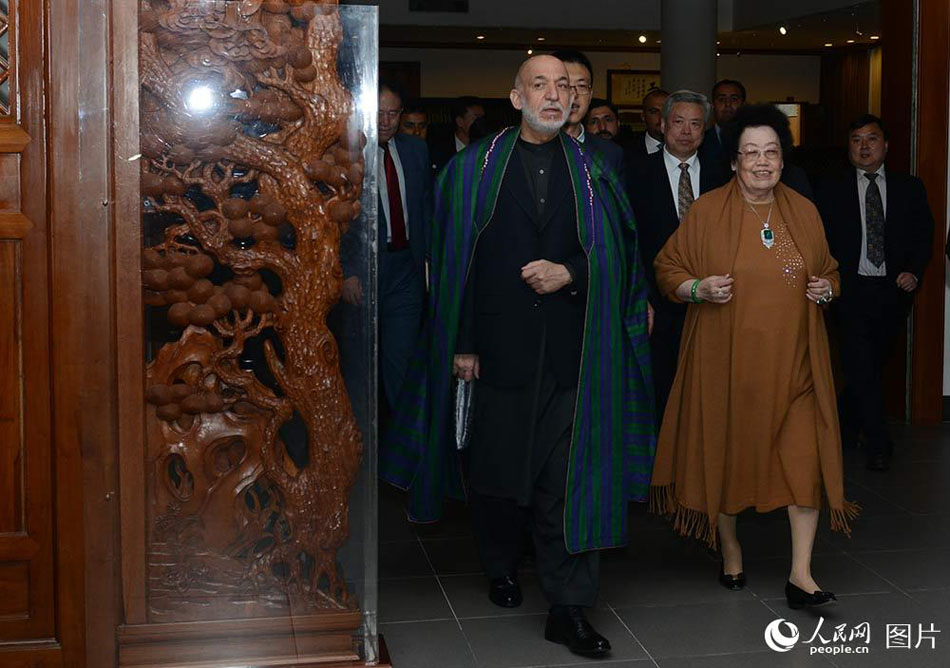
(661,182)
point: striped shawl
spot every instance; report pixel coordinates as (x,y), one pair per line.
(613,439)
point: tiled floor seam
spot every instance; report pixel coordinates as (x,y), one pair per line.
(888,581)
(445,595)
(633,635)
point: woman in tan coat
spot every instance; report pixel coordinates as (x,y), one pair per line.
(751,420)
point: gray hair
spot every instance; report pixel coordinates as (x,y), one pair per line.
(692,98)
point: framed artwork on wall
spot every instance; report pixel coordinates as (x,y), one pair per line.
(626,88)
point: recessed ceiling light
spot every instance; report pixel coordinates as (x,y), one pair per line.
(875,37)
(530,52)
(717,54)
(659,41)
(479,37)
(828,44)
(541,39)
(642,39)
(850,41)
(718,42)
(783,30)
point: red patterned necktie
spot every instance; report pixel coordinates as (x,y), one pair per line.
(397,221)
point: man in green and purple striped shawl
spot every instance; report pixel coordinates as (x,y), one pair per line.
(537,295)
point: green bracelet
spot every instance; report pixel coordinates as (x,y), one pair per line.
(692,292)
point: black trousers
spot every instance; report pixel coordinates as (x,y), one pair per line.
(868,321)
(525,494)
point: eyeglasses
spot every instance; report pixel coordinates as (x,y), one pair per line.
(581,89)
(390,114)
(771,154)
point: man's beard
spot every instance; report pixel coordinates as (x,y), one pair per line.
(605,134)
(538,124)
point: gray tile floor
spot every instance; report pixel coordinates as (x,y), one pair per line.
(659,602)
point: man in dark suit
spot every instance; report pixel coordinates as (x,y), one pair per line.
(728,96)
(444,145)
(650,141)
(880,229)
(581,73)
(404,189)
(662,188)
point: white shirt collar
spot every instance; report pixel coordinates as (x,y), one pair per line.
(879,172)
(653,145)
(672,162)
(582,137)
(459,144)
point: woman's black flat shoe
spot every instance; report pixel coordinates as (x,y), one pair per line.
(730,582)
(799,598)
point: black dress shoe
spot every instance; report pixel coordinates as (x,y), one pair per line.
(505,591)
(799,598)
(878,463)
(730,582)
(568,625)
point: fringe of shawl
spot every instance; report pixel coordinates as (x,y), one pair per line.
(697,524)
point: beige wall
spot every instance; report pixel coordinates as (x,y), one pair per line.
(489,73)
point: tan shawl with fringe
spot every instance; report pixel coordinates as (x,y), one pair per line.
(696,422)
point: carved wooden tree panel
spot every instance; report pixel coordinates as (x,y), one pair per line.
(250,175)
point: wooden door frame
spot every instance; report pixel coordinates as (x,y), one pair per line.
(916,112)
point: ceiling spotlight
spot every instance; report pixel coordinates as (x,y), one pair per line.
(850,41)
(828,44)
(783,30)
(541,39)
(875,37)
(530,52)
(479,37)
(659,41)
(642,39)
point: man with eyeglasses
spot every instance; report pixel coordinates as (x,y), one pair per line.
(662,188)
(404,188)
(581,74)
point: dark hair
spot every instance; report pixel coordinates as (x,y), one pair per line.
(414,107)
(393,87)
(576,57)
(868,119)
(601,102)
(461,106)
(757,116)
(653,91)
(729,82)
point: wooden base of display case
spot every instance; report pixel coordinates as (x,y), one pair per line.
(324,641)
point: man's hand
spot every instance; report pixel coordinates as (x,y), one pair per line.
(907,281)
(651,314)
(352,291)
(545,277)
(465,367)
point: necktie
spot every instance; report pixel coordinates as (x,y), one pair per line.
(397,221)
(685,197)
(874,222)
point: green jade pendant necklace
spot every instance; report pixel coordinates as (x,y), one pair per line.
(766,234)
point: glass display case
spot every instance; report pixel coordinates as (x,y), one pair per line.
(256,135)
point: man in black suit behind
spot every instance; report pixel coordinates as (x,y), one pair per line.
(880,229)
(581,73)
(662,188)
(650,141)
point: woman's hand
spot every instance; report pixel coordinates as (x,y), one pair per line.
(819,290)
(716,289)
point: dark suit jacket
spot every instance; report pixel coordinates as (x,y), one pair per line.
(712,150)
(414,157)
(908,224)
(655,209)
(636,150)
(502,317)
(441,149)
